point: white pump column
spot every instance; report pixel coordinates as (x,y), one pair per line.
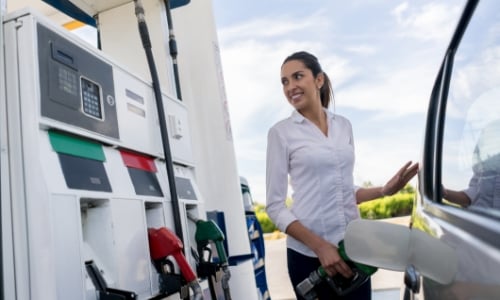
(203,90)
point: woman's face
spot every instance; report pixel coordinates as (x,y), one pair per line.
(300,86)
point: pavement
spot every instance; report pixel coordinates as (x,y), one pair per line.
(385,283)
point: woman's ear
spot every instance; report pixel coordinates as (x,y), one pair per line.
(320,80)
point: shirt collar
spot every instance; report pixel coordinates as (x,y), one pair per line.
(298,118)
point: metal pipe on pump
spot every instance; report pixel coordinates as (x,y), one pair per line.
(172,44)
(146,42)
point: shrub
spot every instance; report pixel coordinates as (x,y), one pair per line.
(388,207)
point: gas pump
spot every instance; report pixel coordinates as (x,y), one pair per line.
(84,172)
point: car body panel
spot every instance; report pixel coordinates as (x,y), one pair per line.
(460,157)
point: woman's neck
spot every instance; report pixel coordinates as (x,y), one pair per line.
(317,116)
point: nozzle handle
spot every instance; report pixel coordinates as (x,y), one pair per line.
(184,266)
(221,252)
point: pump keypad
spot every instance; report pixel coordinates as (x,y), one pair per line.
(91,98)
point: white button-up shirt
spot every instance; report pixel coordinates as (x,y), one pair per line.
(320,169)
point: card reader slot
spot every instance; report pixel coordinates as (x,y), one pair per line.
(62,55)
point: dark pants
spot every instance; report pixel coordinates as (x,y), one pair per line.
(299,268)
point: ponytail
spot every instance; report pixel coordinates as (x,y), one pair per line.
(326,92)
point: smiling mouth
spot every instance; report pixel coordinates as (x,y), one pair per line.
(295,97)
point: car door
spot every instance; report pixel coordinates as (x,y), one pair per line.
(459,181)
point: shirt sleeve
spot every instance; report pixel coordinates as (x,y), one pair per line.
(472,191)
(351,142)
(277,181)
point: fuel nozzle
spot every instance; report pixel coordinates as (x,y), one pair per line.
(338,283)
(208,232)
(164,243)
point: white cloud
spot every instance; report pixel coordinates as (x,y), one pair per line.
(362,49)
(399,10)
(401,90)
(432,21)
(279,27)
(379,158)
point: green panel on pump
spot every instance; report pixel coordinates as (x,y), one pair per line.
(82,162)
(76,146)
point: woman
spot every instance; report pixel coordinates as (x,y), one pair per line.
(315,148)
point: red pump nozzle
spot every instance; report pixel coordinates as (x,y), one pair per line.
(163,243)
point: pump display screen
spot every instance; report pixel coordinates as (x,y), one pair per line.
(91,98)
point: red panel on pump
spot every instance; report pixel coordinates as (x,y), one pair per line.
(137,161)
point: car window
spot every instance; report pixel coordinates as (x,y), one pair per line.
(471,140)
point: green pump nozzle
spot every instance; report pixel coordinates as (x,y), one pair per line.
(207,232)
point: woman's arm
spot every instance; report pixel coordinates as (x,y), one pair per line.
(277,180)
(369,193)
(395,184)
(458,197)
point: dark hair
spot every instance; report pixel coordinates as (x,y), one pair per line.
(312,63)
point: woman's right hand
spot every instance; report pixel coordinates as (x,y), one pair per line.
(400,179)
(327,253)
(331,261)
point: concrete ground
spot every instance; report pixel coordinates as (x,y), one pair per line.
(385,284)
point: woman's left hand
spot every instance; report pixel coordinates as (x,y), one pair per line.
(400,179)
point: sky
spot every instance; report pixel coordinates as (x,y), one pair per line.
(381,55)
